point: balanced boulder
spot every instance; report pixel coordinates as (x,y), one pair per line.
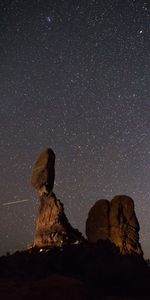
(43,174)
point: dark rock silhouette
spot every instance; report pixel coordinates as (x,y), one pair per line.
(84,271)
(98,221)
(117,222)
(52,226)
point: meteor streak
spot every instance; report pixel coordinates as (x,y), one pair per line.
(15,202)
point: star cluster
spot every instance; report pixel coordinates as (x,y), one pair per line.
(74,77)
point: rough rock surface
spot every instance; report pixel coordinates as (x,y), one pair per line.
(99,219)
(43,174)
(52,226)
(116,221)
(124,226)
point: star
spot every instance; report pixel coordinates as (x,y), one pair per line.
(49,19)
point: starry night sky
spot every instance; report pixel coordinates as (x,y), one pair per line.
(74,76)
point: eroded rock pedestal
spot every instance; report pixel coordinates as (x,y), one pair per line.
(116,221)
(52,226)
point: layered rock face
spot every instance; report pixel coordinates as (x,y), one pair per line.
(124,226)
(116,221)
(52,226)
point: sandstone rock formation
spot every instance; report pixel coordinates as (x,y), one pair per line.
(52,226)
(43,174)
(116,221)
(124,225)
(98,221)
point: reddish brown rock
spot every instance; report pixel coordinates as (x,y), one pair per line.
(124,226)
(97,224)
(117,222)
(52,227)
(43,174)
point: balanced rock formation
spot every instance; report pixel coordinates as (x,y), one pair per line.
(52,226)
(116,221)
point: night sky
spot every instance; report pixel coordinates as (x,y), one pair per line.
(74,76)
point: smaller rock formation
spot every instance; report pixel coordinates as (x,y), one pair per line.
(52,226)
(116,221)
(124,226)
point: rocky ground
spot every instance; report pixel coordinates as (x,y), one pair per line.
(85,271)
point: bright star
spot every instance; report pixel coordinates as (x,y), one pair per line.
(49,19)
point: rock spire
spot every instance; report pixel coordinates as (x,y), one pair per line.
(52,226)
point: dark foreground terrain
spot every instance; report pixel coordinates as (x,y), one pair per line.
(82,271)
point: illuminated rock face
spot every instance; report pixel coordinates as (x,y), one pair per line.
(52,226)
(117,222)
(124,226)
